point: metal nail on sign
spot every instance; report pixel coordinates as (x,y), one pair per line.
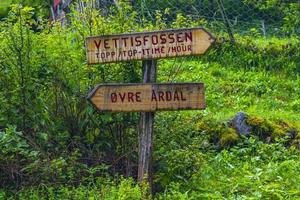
(147,45)
(148,97)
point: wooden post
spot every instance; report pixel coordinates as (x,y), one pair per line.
(147,45)
(146,130)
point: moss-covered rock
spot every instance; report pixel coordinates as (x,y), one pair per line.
(274,130)
(228,137)
(260,127)
(239,123)
(225,134)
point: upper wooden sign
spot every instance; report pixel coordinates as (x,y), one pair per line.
(148,97)
(147,45)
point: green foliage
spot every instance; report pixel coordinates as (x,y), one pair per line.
(41,7)
(250,170)
(244,77)
(54,145)
(45,79)
(228,137)
(291,22)
(284,11)
(16,154)
(4,5)
(104,189)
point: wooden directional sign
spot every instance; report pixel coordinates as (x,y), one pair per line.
(148,97)
(147,45)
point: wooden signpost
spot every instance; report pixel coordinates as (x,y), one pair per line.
(148,45)
(139,97)
(147,97)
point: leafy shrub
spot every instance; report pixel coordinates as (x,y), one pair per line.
(105,189)
(16,154)
(59,147)
(251,169)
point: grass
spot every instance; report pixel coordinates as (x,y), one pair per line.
(229,89)
(259,77)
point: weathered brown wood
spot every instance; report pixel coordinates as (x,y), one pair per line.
(148,97)
(147,45)
(146,131)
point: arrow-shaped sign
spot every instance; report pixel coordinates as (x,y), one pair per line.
(148,45)
(148,97)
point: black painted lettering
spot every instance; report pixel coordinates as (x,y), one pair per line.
(157,50)
(122,96)
(138,41)
(173,49)
(130,53)
(171,38)
(130,97)
(154,39)
(189,36)
(176,96)
(131,40)
(182,98)
(97,44)
(179,37)
(168,96)
(145,39)
(163,39)
(124,39)
(115,40)
(106,44)
(153,97)
(138,97)
(161,96)
(113,97)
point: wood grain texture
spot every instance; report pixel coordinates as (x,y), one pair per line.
(146,126)
(148,45)
(148,97)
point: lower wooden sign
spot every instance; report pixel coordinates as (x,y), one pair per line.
(148,97)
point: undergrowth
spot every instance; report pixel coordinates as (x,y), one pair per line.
(53,145)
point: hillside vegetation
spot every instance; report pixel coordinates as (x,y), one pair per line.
(55,145)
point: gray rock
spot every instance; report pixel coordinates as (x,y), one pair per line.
(240,125)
